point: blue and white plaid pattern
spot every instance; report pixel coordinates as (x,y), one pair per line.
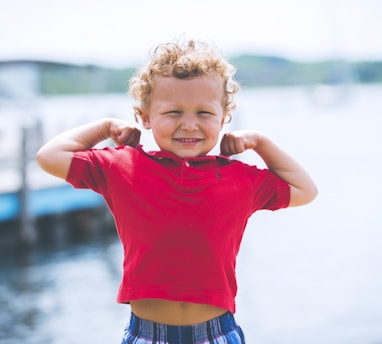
(221,330)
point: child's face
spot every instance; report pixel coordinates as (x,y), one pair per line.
(186,115)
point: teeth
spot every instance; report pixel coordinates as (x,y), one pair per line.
(188,140)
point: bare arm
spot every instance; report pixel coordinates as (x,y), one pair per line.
(56,155)
(303,188)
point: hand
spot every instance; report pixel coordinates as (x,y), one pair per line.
(123,134)
(238,141)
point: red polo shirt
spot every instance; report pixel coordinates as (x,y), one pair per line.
(180,221)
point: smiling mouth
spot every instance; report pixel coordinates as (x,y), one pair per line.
(188,140)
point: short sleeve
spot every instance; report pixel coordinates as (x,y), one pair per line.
(88,169)
(269,191)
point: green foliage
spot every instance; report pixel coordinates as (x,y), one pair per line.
(255,71)
(369,71)
(72,79)
(252,71)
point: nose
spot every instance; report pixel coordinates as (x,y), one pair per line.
(189,122)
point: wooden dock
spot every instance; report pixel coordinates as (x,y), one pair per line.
(26,192)
(47,201)
(28,119)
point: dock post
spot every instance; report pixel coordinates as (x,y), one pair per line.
(28,233)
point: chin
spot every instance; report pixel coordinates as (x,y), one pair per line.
(185,155)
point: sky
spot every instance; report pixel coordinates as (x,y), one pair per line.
(122,32)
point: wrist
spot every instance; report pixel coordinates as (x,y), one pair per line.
(254,140)
(102,129)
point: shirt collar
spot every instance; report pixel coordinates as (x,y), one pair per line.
(161,154)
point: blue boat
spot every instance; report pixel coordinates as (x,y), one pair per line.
(48,201)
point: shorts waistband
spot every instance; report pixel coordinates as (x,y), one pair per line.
(199,333)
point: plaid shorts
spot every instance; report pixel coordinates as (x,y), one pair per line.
(221,330)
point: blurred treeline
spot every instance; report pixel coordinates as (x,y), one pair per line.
(252,71)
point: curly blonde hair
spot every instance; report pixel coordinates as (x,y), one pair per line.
(187,60)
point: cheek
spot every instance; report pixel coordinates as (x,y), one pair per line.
(215,127)
(162,126)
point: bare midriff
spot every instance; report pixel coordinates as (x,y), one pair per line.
(173,312)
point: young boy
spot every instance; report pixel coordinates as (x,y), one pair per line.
(179,212)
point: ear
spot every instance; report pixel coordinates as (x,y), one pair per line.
(225,119)
(145,118)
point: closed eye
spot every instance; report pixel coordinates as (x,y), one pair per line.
(172,112)
(205,113)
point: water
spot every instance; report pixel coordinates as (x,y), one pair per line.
(64,296)
(306,275)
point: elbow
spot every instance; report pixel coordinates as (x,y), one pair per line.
(45,159)
(301,197)
(312,194)
(51,162)
(41,158)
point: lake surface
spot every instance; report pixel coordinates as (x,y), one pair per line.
(306,275)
